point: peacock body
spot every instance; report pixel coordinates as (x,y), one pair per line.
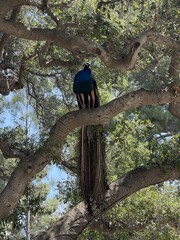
(92,173)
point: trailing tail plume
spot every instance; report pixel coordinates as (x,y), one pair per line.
(92,173)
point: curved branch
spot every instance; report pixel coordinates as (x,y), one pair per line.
(73,222)
(8,5)
(59,37)
(31,165)
(167,41)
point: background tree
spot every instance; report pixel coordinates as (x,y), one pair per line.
(133,49)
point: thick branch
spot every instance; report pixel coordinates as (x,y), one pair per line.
(8,5)
(167,41)
(72,223)
(31,165)
(60,38)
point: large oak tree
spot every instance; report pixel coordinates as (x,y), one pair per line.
(51,38)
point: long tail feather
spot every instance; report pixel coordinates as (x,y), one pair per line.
(92,165)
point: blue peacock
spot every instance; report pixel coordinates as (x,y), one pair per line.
(92,170)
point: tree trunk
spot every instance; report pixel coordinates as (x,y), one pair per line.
(71,225)
(28,221)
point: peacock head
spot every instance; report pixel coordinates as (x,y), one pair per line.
(86,67)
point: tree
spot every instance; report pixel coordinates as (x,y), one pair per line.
(44,42)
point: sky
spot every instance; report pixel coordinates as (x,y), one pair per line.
(11,117)
(55,175)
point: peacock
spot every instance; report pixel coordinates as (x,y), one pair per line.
(92,169)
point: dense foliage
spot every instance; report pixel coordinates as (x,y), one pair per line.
(43,47)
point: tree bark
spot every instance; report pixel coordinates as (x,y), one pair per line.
(59,37)
(71,225)
(34,163)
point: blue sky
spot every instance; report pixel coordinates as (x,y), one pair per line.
(12,117)
(55,175)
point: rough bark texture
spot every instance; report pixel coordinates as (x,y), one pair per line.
(72,223)
(58,36)
(31,165)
